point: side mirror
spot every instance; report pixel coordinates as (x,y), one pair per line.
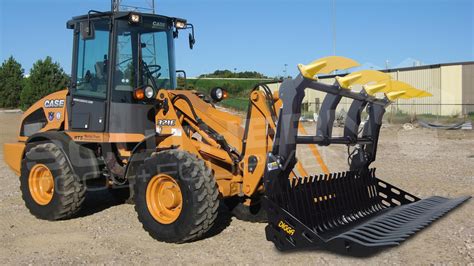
(87,30)
(192,41)
(218,94)
(183,78)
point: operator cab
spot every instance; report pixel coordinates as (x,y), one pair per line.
(120,61)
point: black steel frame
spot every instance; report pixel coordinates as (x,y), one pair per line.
(352,212)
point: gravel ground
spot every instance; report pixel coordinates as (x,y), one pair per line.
(423,162)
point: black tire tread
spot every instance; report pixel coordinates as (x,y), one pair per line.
(205,187)
(73,191)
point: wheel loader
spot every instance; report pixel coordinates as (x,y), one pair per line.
(123,124)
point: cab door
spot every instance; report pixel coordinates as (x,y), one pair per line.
(90,79)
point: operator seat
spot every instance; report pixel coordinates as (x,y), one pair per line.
(101,77)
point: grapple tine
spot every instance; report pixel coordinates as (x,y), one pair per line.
(326,65)
(361,78)
(325,203)
(392,96)
(338,206)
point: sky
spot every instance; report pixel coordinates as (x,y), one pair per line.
(263,35)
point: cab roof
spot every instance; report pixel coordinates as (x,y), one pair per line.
(93,14)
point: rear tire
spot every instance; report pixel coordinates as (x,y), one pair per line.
(186,207)
(67,193)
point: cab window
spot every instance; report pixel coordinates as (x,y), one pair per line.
(124,75)
(155,55)
(92,63)
(143,57)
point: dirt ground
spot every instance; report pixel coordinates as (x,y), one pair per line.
(423,162)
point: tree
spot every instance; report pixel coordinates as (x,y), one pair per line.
(230,74)
(45,77)
(11,83)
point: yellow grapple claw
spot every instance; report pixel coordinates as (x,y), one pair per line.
(424,94)
(361,78)
(410,92)
(392,96)
(415,93)
(373,89)
(347,81)
(326,65)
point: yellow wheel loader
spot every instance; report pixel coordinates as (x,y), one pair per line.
(123,123)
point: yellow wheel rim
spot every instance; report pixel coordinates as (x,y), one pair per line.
(41,184)
(164,199)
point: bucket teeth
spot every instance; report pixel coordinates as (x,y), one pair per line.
(326,65)
(361,78)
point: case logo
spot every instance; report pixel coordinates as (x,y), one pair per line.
(54,103)
(157,24)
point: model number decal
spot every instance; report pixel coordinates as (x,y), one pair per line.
(54,103)
(87,137)
(166,122)
(286,228)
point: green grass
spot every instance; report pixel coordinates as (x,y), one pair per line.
(239,104)
(238,90)
(235,88)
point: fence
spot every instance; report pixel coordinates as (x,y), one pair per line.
(402,112)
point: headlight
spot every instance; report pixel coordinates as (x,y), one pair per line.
(218,94)
(134,18)
(149,92)
(180,23)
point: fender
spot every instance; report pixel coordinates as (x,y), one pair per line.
(140,152)
(82,160)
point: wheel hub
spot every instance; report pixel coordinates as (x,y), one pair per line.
(41,184)
(164,199)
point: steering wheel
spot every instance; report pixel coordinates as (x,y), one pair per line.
(124,61)
(156,69)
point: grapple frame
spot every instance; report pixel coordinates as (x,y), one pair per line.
(352,212)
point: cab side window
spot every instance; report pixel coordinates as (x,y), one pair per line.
(124,75)
(92,64)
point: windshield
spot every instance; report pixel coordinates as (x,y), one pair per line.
(144,56)
(154,51)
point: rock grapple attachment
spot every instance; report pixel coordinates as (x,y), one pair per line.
(351,212)
(348,213)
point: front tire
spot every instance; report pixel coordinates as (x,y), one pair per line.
(176,196)
(49,188)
